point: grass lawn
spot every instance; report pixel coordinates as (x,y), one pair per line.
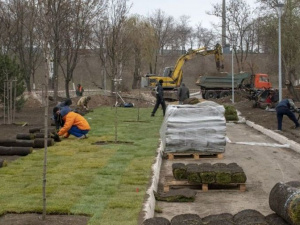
(87,179)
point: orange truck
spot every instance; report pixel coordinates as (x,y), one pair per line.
(221,86)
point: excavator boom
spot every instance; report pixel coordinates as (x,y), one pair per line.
(172,78)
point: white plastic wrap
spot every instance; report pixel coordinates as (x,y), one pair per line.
(194,128)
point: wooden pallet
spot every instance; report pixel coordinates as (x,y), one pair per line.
(175,155)
(204,187)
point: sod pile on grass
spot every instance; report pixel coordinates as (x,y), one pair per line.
(88,179)
(206,173)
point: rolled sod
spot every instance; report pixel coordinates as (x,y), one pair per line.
(193,173)
(186,219)
(237,173)
(284,200)
(21,151)
(223,175)
(156,221)
(207,173)
(35,129)
(179,171)
(249,216)
(40,143)
(218,217)
(25,136)
(177,195)
(16,143)
(274,219)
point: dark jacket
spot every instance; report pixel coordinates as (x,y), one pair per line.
(287,103)
(159,91)
(183,93)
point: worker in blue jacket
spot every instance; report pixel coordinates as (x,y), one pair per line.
(284,108)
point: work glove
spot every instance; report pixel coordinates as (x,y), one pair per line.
(56,138)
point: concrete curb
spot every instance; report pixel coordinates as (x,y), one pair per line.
(149,206)
(276,136)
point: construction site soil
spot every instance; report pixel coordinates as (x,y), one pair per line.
(33,114)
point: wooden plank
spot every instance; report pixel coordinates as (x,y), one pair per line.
(176,155)
(205,187)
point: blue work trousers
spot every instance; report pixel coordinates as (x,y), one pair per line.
(77,132)
(281,111)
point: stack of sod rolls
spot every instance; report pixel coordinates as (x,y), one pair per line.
(206,173)
(194,128)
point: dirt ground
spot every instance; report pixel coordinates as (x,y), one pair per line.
(33,115)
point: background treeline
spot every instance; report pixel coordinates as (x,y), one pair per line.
(94,42)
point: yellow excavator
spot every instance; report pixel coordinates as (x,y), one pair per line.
(172,77)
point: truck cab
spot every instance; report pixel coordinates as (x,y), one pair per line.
(261,81)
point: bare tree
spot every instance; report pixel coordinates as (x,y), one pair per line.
(205,37)
(110,39)
(290,38)
(238,25)
(77,33)
(26,45)
(183,31)
(163,26)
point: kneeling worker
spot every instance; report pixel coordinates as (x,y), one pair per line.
(74,124)
(83,102)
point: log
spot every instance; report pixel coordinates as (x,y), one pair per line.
(39,142)
(186,219)
(3,163)
(156,221)
(274,219)
(16,143)
(28,136)
(179,171)
(22,151)
(284,200)
(35,129)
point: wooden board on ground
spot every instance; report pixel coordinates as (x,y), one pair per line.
(204,187)
(193,155)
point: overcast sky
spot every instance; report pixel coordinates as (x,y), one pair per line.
(196,9)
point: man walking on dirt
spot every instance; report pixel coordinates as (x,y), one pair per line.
(283,108)
(183,93)
(159,98)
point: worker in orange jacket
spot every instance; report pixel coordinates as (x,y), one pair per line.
(74,124)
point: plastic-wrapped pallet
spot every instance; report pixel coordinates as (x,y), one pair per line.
(194,128)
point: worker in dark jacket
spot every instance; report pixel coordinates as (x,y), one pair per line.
(56,117)
(159,98)
(183,93)
(74,124)
(284,108)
